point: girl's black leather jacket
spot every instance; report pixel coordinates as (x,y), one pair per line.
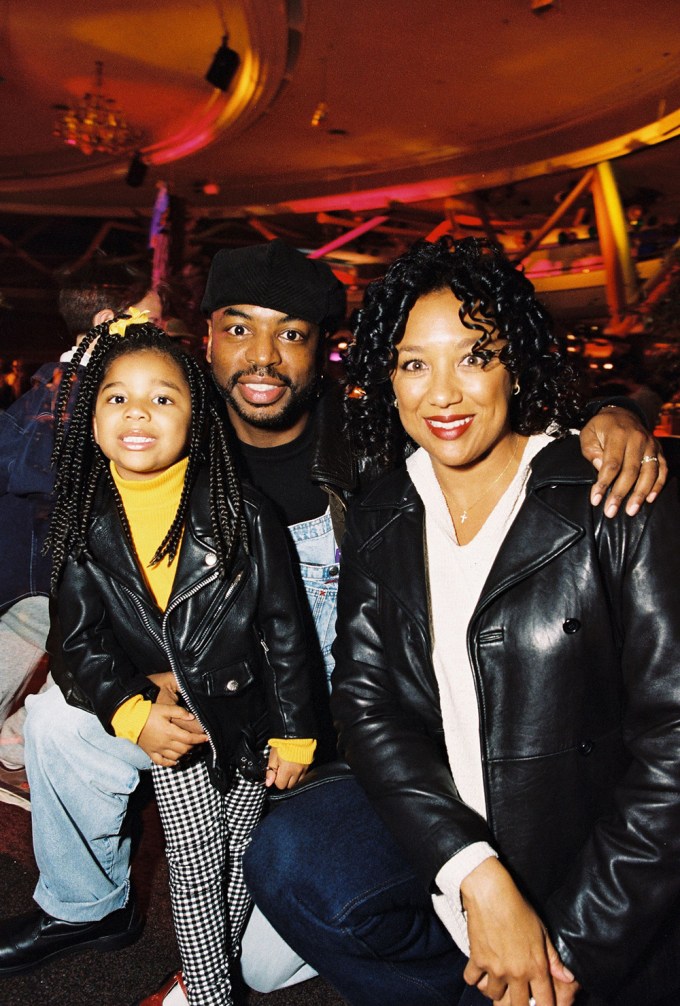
(237,646)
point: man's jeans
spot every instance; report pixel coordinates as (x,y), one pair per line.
(277,965)
(81,779)
(326,872)
(319,569)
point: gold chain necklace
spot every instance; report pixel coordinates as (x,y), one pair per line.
(464,515)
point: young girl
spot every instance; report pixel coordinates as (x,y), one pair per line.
(180,619)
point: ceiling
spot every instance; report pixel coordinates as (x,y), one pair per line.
(480,113)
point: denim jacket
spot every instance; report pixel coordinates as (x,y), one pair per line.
(26,486)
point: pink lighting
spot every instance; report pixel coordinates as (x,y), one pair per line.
(356,232)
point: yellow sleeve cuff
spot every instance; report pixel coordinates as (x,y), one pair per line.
(129,720)
(293,749)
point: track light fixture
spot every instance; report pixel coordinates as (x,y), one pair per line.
(223,67)
(137,171)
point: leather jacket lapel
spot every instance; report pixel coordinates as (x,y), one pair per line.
(525,547)
(109,542)
(539,533)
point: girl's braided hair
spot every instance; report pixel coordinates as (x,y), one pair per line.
(495,298)
(80,463)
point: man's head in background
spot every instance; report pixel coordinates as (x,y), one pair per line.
(81,306)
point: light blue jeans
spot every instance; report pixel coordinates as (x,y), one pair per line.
(81,779)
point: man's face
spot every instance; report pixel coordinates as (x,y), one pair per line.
(266,365)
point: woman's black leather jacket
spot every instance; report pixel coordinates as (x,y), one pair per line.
(575,650)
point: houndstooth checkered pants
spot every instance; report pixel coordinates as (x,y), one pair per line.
(206,834)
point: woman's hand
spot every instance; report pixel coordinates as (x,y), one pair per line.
(163,737)
(616,442)
(283,774)
(511,956)
(566,988)
(168,691)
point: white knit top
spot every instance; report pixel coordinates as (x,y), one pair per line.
(456,575)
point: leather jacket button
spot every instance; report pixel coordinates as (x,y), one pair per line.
(585,747)
(210,559)
(571,625)
(232,686)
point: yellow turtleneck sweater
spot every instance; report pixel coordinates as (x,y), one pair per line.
(150,507)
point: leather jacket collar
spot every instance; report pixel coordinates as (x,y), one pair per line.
(122,565)
(524,547)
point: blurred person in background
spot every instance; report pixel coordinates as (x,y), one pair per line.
(26,484)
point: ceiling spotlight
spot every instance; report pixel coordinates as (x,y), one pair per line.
(223,67)
(137,171)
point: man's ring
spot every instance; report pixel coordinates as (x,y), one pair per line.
(649,457)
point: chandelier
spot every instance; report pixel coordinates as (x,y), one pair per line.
(95,123)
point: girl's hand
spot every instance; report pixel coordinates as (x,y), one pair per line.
(510,952)
(283,774)
(164,739)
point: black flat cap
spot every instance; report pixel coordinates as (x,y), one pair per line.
(278,277)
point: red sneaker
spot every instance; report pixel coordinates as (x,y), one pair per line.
(172,993)
(14,787)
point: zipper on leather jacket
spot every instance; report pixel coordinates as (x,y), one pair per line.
(167,650)
(198,640)
(175,602)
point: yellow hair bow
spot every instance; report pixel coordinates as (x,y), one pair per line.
(119,326)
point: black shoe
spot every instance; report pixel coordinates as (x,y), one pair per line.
(35,937)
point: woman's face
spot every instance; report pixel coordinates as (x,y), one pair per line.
(451,405)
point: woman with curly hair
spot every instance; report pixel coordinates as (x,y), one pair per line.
(181,626)
(507,680)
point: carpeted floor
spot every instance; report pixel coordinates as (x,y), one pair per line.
(111,979)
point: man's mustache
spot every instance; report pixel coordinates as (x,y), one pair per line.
(258,372)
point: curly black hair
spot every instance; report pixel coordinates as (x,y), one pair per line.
(495,298)
(80,463)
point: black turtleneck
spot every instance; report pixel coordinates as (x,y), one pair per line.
(282,475)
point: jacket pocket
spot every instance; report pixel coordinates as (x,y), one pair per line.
(207,627)
(230,681)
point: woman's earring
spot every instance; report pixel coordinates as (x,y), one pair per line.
(516,389)
(396,404)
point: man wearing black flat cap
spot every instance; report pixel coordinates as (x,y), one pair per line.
(269,309)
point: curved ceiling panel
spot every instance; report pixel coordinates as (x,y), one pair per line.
(423,101)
